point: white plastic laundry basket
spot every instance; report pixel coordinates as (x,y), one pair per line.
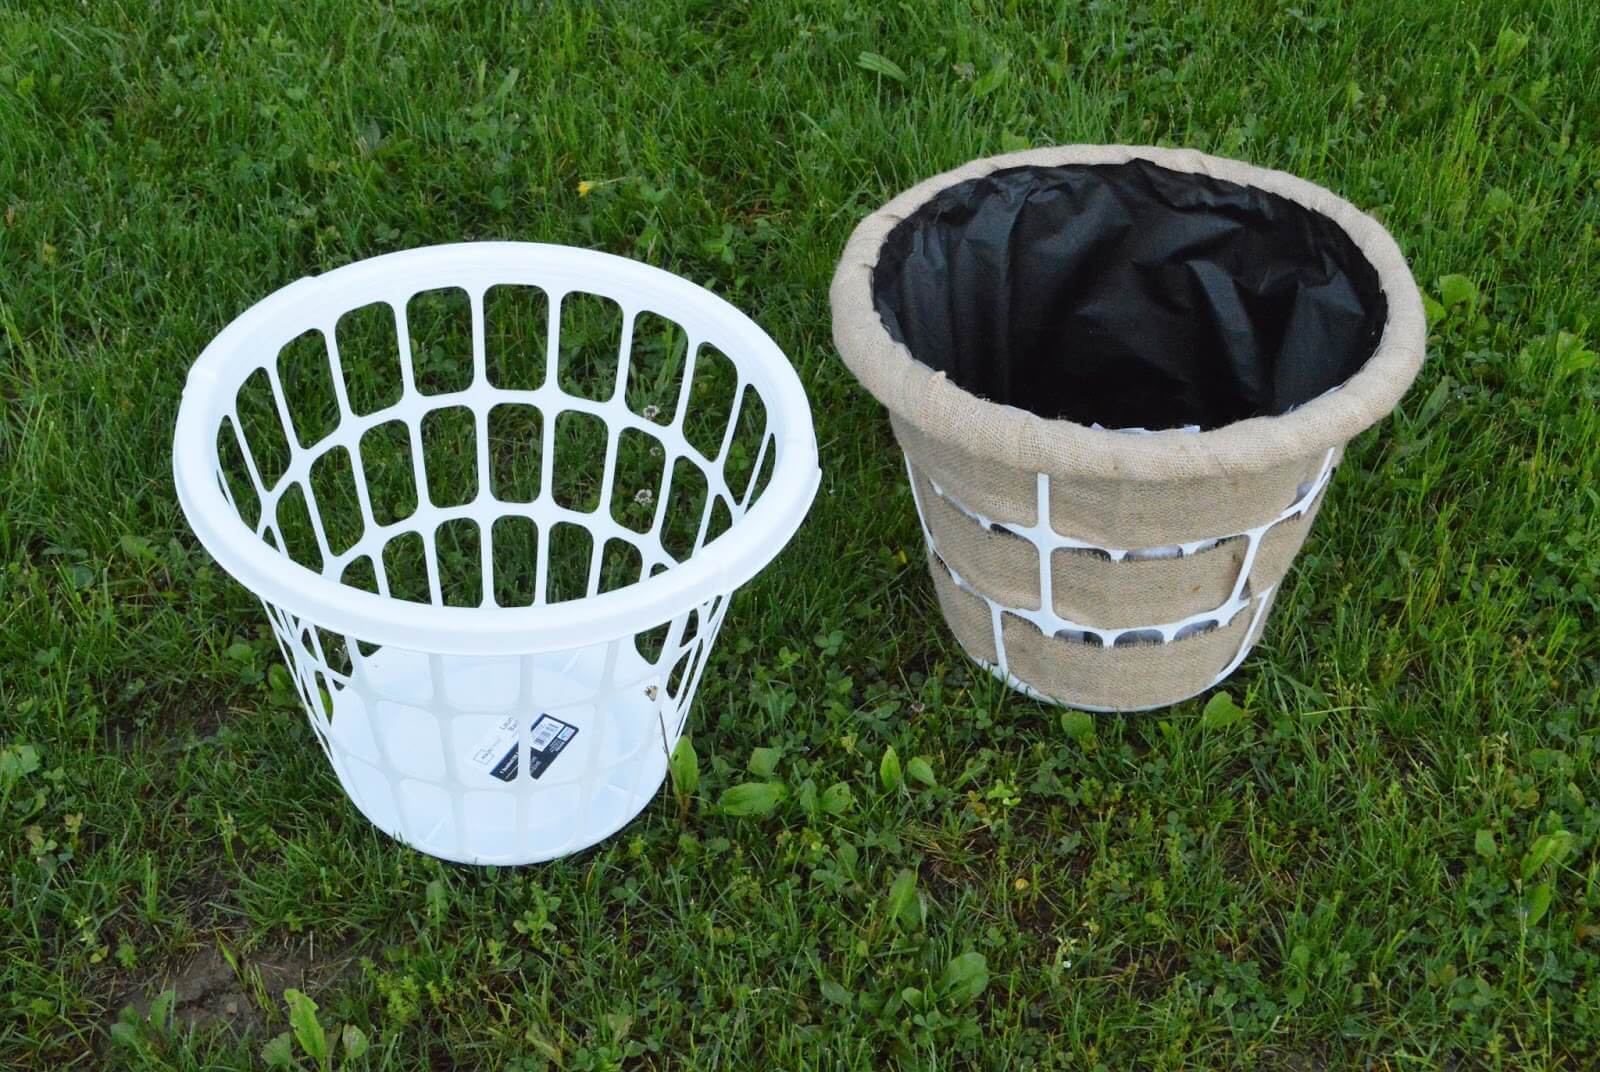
(494,497)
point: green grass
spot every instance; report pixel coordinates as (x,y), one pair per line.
(1390,863)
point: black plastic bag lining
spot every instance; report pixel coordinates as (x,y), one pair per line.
(1129,295)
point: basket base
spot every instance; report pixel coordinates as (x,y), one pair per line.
(1012,682)
(427,774)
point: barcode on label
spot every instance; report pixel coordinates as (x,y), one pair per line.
(543,733)
(496,751)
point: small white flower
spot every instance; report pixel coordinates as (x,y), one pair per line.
(644,497)
(652,412)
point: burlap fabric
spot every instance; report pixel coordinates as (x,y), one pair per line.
(1111,490)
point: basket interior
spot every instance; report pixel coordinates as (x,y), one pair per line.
(1129,295)
(587,449)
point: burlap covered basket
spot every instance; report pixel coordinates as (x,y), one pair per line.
(1122,378)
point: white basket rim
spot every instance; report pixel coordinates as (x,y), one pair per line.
(720,565)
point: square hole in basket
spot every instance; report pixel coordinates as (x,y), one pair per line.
(235,473)
(590,338)
(405,568)
(571,554)
(621,564)
(744,449)
(458,544)
(683,671)
(368,340)
(710,405)
(516,445)
(450,455)
(332,651)
(685,511)
(650,642)
(580,460)
(387,467)
(308,387)
(325,688)
(691,628)
(264,434)
(296,530)
(333,485)
(636,487)
(514,543)
(439,323)
(721,518)
(360,574)
(655,367)
(516,324)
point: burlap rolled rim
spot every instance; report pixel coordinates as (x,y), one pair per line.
(1049,539)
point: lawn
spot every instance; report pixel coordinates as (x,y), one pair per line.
(1391,862)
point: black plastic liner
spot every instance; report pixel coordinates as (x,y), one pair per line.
(1129,295)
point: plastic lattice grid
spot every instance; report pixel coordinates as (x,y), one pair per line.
(1046,541)
(512,450)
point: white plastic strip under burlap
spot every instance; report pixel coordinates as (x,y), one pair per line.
(1092,567)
